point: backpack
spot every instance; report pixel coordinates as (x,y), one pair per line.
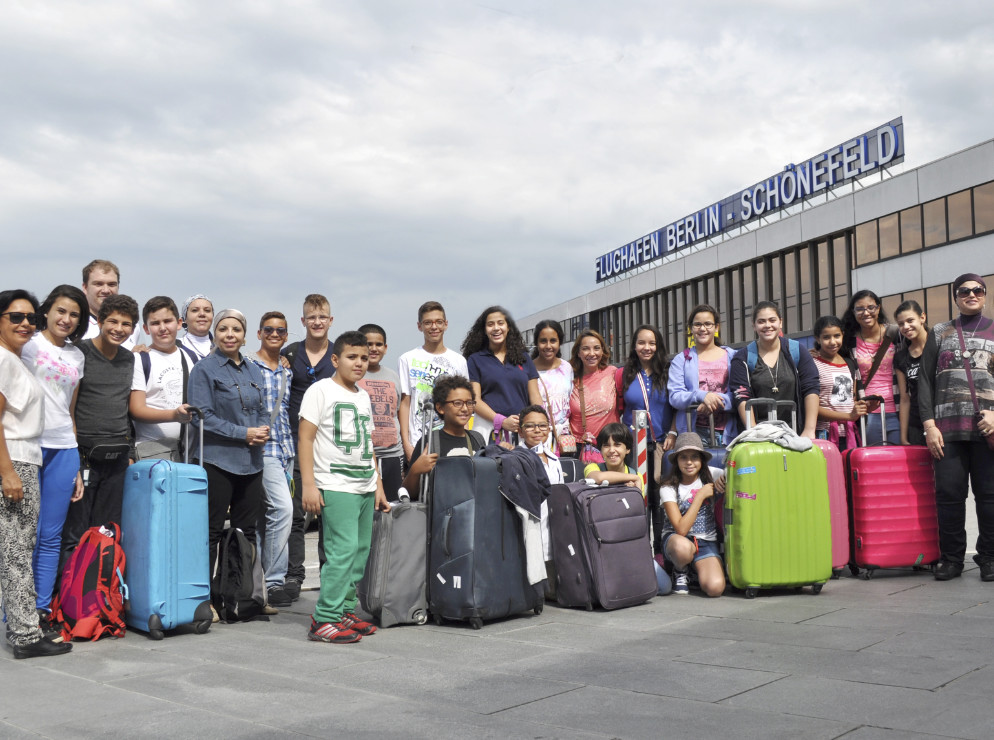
(92,594)
(239,588)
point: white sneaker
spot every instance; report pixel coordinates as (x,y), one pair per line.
(680,583)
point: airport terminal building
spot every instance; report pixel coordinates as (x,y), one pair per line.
(807,238)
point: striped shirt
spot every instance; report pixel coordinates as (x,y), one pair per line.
(280,444)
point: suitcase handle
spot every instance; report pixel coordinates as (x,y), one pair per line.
(445,534)
(764,403)
(883,421)
(691,427)
(195,413)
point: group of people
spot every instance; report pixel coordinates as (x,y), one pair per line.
(324,427)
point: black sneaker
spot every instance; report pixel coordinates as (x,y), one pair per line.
(987,571)
(947,571)
(292,588)
(50,630)
(278,597)
(41,649)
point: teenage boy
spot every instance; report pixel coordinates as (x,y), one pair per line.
(338,469)
(102,279)
(158,386)
(102,425)
(419,368)
(277,462)
(454,403)
(310,361)
(383,386)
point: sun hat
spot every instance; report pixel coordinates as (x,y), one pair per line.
(688,441)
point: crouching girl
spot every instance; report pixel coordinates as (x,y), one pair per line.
(690,534)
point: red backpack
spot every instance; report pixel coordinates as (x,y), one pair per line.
(91,597)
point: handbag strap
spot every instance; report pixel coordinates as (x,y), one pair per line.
(968,366)
(645,397)
(548,408)
(879,356)
(583,406)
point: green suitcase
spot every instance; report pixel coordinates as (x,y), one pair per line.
(777,522)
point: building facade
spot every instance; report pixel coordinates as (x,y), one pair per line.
(903,236)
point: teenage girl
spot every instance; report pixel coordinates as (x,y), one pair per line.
(838,405)
(914,328)
(872,342)
(691,534)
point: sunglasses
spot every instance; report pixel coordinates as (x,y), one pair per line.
(17,317)
(962,291)
(280,330)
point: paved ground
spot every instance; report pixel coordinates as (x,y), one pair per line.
(899,656)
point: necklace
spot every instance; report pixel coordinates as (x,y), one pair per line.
(774,373)
(967,354)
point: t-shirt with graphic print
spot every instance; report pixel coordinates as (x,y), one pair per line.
(343,444)
(704,527)
(59,370)
(713,378)
(383,387)
(418,371)
(836,389)
(163,390)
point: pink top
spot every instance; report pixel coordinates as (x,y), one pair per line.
(882,383)
(600,398)
(713,378)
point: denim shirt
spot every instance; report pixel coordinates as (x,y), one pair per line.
(231,398)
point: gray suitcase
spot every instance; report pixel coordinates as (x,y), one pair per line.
(600,545)
(393,587)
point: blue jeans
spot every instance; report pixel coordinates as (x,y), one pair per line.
(57,481)
(873,436)
(279,516)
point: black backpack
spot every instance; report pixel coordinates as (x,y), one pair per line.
(239,588)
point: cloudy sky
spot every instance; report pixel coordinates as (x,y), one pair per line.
(387,153)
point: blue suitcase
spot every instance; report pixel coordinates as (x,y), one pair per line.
(164,533)
(476,560)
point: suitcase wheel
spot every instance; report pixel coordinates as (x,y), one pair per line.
(420,616)
(539,608)
(867,574)
(836,573)
(816,588)
(438,619)
(476,623)
(202,626)
(156,634)
(854,569)
(750,593)
(155,627)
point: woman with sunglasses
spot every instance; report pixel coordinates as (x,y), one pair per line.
(956,401)
(58,366)
(873,343)
(21,424)
(228,390)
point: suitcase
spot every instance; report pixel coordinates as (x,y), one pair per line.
(838,504)
(393,587)
(600,546)
(572,469)
(894,521)
(164,533)
(476,560)
(777,520)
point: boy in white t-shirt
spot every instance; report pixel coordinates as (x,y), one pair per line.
(421,367)
(339,481)
(158,388)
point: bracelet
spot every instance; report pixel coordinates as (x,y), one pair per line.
(671,433)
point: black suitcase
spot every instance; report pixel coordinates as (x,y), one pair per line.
(476,560)
(600,546)
(572,469)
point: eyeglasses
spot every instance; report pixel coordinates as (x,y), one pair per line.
(432,324)
(962,291)
(280,330)
(460,404)
(535,427)
(704,325)
(17,317)
(317,319)
(866,309)
(241,398)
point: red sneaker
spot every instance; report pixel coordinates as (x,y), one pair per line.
(352,622)
(331,632)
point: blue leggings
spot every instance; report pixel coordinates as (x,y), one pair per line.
(57,481)
(873,435)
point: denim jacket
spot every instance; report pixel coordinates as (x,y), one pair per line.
(231,398)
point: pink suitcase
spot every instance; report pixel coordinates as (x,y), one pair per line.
(893,522)
(838,504)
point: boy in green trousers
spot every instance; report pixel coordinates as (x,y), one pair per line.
(338,473)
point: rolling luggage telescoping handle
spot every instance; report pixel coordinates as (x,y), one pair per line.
(883,421)
(691,427)
(196,414)
(764,403)
(793,413)
(427,426)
